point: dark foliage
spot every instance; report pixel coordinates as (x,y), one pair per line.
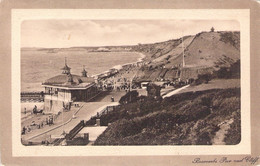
(229,72)
(129,97)
(223,72)
(184,119)
(233,38)
(204,78)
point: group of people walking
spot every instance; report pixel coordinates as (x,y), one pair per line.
(48,121)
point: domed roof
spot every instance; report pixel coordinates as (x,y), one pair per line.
(66,79)
(63,80)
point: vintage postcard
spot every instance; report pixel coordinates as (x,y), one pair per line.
(145,77)
(132,82)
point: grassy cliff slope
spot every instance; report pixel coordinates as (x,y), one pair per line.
(204,51)
(193,118)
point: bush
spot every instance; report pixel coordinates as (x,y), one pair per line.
(233,136)
(204,139)
(223,72)
(188,118)
(129,97)
(229,72)
(206,101)
(235,69)
(231,38)
(202,78)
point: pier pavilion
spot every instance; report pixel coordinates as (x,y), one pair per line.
(62,90)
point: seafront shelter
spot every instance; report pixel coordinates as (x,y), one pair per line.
(62,90)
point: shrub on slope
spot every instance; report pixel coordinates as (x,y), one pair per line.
(190,118)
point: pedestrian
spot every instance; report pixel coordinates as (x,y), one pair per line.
(51,120)
(28,129)
(112,99)
(25,111)
(47,121)
(35,109)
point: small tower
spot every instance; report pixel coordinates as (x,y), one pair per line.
(66,68)
(84,72)
(212,29)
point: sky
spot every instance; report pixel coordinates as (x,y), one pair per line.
(75,33)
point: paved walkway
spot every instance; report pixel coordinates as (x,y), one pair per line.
(42,118)
(175,91)
(73,117)
(88,109)
(94,132)
(106,96)
(167,90)
(214,84)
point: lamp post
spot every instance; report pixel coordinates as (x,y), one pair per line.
(63,131)
(183,61)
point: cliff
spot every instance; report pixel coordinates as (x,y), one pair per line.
(204,52)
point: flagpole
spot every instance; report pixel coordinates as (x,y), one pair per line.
(183,61)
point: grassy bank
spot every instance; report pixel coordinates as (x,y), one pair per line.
(191,118)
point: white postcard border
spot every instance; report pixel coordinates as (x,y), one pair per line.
(241,15)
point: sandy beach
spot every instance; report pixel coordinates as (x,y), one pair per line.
(30,105)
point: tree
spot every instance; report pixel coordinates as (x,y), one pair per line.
(129,97)
(204,78)
(224,72)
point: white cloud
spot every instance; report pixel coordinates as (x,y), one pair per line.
(68,33)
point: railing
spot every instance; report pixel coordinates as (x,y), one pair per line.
(108,109)
(57,142)
(32,96)
(75,130)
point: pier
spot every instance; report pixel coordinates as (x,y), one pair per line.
(32,96)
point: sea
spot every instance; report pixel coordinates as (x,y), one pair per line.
(39,65)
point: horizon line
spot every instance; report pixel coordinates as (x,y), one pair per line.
(125,45)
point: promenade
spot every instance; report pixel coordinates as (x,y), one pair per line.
(71,118)
(175,91)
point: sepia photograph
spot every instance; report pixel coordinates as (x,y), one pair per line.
(140,83)
(130,82)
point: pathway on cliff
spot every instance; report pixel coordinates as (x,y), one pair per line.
(220,134)
(175,52)
(175,91)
